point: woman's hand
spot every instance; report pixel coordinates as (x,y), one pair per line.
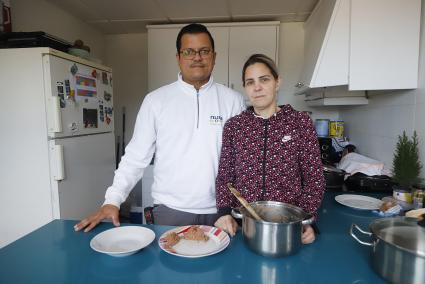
(307,236)
(227,223)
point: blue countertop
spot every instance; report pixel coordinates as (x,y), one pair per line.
(55,253)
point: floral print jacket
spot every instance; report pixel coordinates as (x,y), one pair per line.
(271,159)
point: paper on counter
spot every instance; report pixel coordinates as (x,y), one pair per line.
(355,163)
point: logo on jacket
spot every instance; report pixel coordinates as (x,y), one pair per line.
(216,119)
(286,138)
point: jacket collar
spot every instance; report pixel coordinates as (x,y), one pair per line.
(284,111)
(190,88)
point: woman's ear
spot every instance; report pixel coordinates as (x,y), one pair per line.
(278,81)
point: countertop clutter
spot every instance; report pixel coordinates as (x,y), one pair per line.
(55,253)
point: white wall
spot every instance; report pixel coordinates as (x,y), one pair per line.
(291,56)
(374,128)
(39,15)
(127,54)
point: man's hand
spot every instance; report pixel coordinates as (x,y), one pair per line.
(307,236)
(106,211)
(227,223)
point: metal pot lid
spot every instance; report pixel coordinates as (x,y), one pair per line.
(402,232)
(332,169)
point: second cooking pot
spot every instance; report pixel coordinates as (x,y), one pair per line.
(280,232)
(334,177)
(398,249)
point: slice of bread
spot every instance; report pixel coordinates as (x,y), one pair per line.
(417,213)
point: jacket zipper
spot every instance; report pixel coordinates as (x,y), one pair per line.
(266,126)
(197,104)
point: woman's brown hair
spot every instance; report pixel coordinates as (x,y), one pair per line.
(260,58)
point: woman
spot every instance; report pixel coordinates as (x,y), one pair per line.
(269,152)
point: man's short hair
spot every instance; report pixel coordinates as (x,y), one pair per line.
(193,29)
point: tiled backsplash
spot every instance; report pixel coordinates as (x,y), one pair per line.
(374,128)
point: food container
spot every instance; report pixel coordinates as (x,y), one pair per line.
(322,127)
(280,232)
(79,52)
(336,128)
(418,199)
(418,195)
(398,249)
(401,194)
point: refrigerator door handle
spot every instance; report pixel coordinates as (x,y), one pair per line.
(59,173)
(57,121)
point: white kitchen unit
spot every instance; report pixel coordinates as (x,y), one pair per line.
(234,43)
(367,45)
(335,96)
(247,40)
(326,42)
(58,142)
(384,44)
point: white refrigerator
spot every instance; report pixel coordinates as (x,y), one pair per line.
(57,138)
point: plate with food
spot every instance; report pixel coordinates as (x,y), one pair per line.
(122,241)
(359,201)
(194,241)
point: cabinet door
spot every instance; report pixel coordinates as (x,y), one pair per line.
(162,63)
(245,41)
(326,45)
(384,44)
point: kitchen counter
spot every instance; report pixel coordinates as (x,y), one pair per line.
(55,253)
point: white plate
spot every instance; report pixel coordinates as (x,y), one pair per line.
(122,241)
(218,241)
(359,201)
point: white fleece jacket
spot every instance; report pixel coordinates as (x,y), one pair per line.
(183,128)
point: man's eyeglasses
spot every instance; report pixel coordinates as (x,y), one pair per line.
(190,53)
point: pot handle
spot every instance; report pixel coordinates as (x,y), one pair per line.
(308,221)
(354,226)
(236,213)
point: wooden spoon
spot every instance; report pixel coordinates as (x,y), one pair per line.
(245,203)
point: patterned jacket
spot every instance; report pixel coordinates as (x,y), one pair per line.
(271,159)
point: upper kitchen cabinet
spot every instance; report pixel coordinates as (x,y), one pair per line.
(234,43)
(246,40)
(367,45)
(326,40)
(384,44)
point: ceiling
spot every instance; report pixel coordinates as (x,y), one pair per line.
(132,16)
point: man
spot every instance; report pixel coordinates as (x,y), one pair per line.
(182,124)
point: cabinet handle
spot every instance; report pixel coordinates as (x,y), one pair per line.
(299,84)
(59,173)
(57,121)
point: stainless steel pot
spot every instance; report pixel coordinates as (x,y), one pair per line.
(334,177)
(280,232)
(398,249)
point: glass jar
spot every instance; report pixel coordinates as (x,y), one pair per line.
(418,195)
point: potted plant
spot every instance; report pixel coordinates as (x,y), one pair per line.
(406,163)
